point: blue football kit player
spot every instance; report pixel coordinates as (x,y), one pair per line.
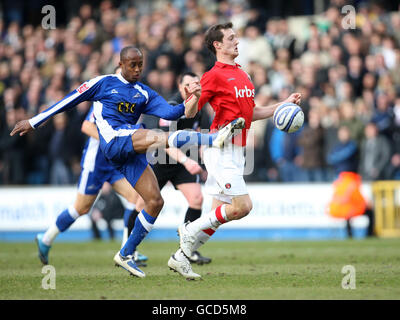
(95,171)
(118,102)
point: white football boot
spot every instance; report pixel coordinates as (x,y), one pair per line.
(182,265)
(129,265)
(186,240)
(229,131)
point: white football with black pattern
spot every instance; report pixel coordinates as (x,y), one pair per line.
(288,117)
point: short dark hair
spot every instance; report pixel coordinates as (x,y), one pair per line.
(187,73)
(214,33)
(125,50)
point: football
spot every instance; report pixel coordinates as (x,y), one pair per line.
(288,117)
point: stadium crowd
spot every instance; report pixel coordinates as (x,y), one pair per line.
(349,80)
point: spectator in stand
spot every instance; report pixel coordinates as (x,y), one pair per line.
(255,48)
(12,151)
(355,74)
(344,155)
(330,124)
(394,166)
(311,140)
(284,152)
(37,148)
(382,116)
(59,171)
(374,154)
(350,119)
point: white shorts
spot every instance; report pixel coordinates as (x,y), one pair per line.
(225,169)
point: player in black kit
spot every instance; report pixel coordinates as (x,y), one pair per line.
(181,170)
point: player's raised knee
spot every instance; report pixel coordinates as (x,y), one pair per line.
(83,209)
(155,204)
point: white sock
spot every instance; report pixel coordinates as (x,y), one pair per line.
(179,255)
(211,220)
(51,233)
(202,238)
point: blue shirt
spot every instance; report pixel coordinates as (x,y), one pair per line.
(343,157)
(117,104)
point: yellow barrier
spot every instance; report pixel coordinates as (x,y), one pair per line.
(387,208)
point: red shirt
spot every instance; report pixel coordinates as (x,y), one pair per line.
(230,93)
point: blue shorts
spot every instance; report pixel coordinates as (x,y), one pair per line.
(120,153)
(90,182)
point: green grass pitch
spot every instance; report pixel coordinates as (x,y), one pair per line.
(240,270)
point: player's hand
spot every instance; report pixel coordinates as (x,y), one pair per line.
(194,88)
(22,127)
(294,98)
(192,166)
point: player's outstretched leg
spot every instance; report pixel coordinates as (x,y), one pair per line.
(182,138)
(228,131)
(180,263)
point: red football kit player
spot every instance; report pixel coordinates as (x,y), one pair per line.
(230,93)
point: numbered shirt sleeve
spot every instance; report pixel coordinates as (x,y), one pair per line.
(88,91)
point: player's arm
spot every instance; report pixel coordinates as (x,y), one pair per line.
(190,165)
(159,107)
(193,92)
(84,93)
(90,129)
(266,112)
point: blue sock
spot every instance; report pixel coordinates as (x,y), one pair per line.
(143,225)
(180,138)
(66,218)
